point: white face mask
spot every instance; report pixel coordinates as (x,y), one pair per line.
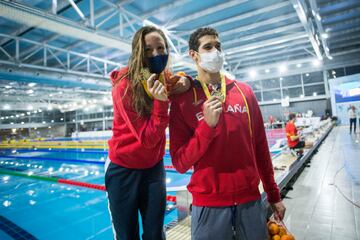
(211,61)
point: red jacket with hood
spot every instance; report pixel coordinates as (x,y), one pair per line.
(229,160)
(137,143)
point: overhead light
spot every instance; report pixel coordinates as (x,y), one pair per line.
(28,113)
(60,92)
(8,86)
(43,122)
(281,79)
(50,95)
(6,117)
(61,119)
(314,94)
(252,73)
(73,120)
(274,100)
(12,123)
(31,84)
(282,68)
(49,127)
(299,65)
(318,16)
(30,91)
(308,74)
(22,122)
(325,35)
(267,70)
(17,115)
(6,107)
(22,114)
(49,107)
(2,118)
(52,121)
(302,96)
(39,110)
(316,62)
(30,107)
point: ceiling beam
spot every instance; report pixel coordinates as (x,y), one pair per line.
(50,22)
(204,12)
(309,28)
(265,43)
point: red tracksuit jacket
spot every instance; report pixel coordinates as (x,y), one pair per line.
(136,143)
(228,162)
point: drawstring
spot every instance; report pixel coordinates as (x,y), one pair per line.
(233,220)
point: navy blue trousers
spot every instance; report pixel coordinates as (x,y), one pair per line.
(131,191)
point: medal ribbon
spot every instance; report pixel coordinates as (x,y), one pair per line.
(223,88)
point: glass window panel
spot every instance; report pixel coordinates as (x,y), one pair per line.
(270,83)
(338,72)
(258,96)
(318,89)
(271,95)
(291,80)
(352,70)
(255,85)
(313,77)
(292,92)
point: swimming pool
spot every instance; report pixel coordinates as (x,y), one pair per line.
(51,210)
(44,209)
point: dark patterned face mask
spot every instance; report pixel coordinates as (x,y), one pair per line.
(158,63)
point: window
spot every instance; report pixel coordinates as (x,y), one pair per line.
(258,96)
(352,70)
(255,85)
(271,83)
(291,80)
(295,92)
(313,77)
(271,95)
(334,73)
(314,90)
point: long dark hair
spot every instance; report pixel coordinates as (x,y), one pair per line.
(142,103)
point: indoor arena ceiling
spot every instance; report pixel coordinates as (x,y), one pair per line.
(60,52)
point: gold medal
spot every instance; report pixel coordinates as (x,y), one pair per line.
(219,93)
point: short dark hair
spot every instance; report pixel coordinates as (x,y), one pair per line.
(292,116)
(194,43)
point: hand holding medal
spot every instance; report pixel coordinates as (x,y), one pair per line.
(156,88)
(216,92)
(212,109)
(177,83)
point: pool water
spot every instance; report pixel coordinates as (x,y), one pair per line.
(36,209)
(49,210)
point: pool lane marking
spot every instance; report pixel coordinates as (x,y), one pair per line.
(167,167)
(66,181)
